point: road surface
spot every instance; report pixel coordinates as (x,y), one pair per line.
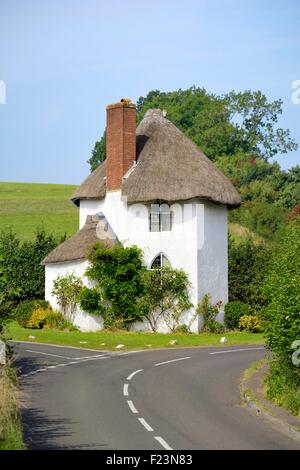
(180,399)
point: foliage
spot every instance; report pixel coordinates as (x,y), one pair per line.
(25,309)
(183,329)
(281,290)
(250,323)
(220,125)
(165,297)
(281,389)
(118,274)
(10,423)
(54,319)
(20,265)
(240,133)
(66,289)
(234,311)
(38,318)
(247,266)
(98,153)
(208,311)
(214,326)
(91,301)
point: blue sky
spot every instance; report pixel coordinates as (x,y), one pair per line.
(63,60)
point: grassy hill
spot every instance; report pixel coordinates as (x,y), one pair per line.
(26,206)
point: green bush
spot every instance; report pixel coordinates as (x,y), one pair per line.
(214,326)
(281,388)
(234,311)
(249,323)
(38,318)
(54,319)
(184,329)
(25,309)
(20,263)
(118,274)
(90,301)
(247,268)
(282,293)
(208,311)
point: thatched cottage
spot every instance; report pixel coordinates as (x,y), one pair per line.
(158,191)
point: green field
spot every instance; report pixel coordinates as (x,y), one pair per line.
(25,207)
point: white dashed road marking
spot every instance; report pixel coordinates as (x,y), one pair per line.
(163,443)
(132,407)
(125,390)
(133,374)
(173,360)
(145,424)
(236,350)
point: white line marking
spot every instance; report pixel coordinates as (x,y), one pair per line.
(86,357)
(173,360)
(62,365)
(236,350)
(41,370)
(163,443)
(125,390)
(48,354)
(133,374)
(132,407)
(73,362)
(51,367)
(145,424)
(55,345)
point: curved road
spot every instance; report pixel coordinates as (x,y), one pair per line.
(179,399)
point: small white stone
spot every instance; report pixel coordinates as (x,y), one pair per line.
(120,346)
(31,337)
(83,342)
(223,339)
(173,341)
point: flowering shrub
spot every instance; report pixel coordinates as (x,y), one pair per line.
(250,323)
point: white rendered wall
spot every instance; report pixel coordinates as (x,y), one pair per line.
(83,320)
(131,225)
(197,244)
(212,255)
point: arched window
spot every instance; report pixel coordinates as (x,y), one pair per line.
(160,261)
(160,218)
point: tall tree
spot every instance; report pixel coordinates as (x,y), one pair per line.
(220,125)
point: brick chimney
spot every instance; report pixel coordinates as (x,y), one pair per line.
(120,142)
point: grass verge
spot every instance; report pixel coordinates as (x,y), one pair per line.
(108,340)
(11,437)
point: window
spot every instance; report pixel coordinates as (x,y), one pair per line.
(160,218)
(160,261)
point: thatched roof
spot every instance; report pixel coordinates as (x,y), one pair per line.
(95,229)
(170,167)
(93,187)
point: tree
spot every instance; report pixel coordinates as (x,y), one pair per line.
(98,153)
(165,296)
(20,264)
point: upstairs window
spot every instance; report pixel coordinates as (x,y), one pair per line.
(160,218)
(160,261)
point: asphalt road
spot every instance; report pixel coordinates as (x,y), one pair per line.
(179,399)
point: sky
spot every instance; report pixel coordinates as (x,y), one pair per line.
(63,61)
